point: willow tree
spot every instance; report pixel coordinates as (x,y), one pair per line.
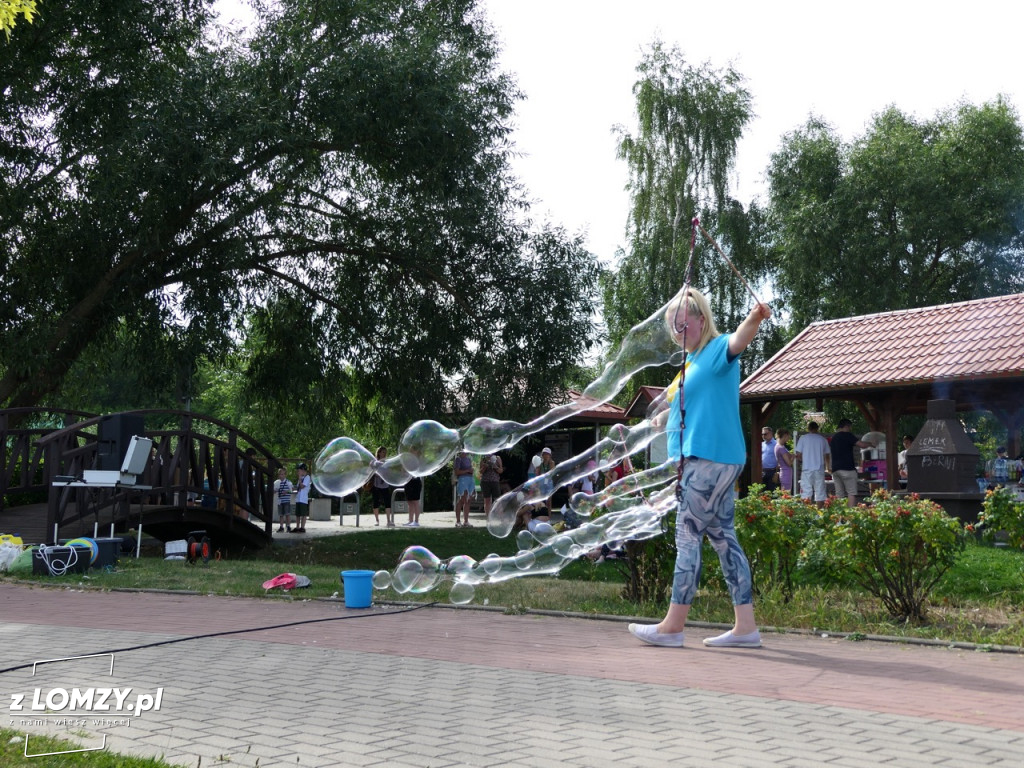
(689,121)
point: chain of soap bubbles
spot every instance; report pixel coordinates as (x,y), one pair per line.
(544,550)
(618,513)
(344,466)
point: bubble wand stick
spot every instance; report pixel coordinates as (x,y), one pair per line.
(728,261)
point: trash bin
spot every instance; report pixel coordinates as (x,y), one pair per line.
(320,509)
(349,506)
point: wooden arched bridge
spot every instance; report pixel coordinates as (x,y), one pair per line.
(203,474)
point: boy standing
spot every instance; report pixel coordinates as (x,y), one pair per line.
(301,499)
(283,488)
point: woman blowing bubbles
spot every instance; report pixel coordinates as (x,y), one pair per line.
(715,452)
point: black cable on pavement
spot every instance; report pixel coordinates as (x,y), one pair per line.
(232,632)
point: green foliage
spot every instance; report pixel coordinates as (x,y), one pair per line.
(337,185)
(772,528)
(930,207)
(1002,513)
(649,568)
(689,120)
(11,9)
(896,548)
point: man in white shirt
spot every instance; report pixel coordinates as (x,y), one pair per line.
(815,457)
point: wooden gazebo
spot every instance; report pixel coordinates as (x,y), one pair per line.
(892,363)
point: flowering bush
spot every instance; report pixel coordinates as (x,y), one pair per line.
(897,548)
(772,527)
(814,562)
(1002,512)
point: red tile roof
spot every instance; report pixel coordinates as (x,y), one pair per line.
(594,411)
(950,342)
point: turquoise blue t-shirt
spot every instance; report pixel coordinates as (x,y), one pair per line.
(711,393)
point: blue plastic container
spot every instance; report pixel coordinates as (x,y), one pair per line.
(358,588)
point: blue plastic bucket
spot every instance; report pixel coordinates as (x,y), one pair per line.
(358,588)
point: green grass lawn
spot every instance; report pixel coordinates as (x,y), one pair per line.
(12,754)
(979,601)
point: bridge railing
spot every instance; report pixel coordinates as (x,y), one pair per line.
(22,468)
(201,462)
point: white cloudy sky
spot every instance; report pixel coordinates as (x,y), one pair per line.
(575,61)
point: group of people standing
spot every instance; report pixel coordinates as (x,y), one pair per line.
(381,492)
(489,471)
(491,468)
(1002,470)
(817,456)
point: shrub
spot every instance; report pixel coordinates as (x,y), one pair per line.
(815,565)
(1002,512)
(649,566)
(897,548)
(772,529)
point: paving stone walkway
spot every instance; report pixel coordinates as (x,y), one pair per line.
(393,686)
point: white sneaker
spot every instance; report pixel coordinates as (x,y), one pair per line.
(729,640)
(649,634)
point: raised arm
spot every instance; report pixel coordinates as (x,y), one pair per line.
(744,334)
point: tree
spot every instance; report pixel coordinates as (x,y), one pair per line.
(10,10)
(914,213)
(338,181)
(689,120)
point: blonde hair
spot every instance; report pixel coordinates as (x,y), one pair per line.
(696,304)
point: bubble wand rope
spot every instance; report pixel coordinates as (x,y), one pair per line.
(687,278)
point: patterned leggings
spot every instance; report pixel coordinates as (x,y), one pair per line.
(707,507)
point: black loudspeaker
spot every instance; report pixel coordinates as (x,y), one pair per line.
(115,432)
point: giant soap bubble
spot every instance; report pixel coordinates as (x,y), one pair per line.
(343,466)
(629,509)
(420,570)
